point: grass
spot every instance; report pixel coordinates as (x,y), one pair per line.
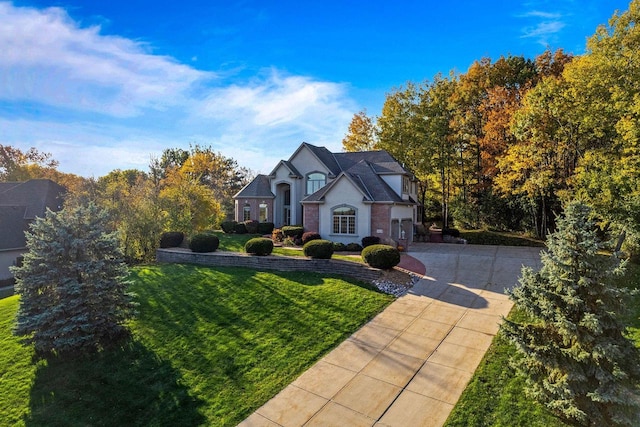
(501,238)
(495,395)
(208,347)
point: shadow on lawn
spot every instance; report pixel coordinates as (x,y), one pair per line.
(129,386)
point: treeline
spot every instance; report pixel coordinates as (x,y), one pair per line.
(183,190)
(506,144)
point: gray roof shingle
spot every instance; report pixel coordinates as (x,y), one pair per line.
(259,187)
(20,203)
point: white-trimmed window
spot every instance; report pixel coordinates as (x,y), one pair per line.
(246,213)
(315,181)
(344,220)
(406,185)
(264,217)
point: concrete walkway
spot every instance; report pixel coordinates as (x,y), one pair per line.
(409,365)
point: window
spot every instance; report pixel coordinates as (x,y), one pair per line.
(405,185)
(315,181)
(263,212)
(344,220)
(246,213)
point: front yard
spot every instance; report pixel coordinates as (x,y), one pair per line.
(209,346)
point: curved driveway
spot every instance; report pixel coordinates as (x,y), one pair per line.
(409,365)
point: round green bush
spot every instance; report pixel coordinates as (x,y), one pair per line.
(240,228)
(383,257)
(171,239)
(265,228)
(309,236)
(259,246)
(251,226)
(318,249)
(339,247)
(354,247)
(228,226)
(293,231)
(204,242)
(370,240)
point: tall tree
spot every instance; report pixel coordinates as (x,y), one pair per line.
(573,350)
(71,284)
(606,81)
(361,135)
(14,162)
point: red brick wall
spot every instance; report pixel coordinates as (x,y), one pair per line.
(255,209)
(380,219)
(311,217)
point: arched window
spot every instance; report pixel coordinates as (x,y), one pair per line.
(344,220)
(315,181)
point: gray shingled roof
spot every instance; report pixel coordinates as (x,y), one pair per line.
(326,157)
(20,203)
(259,187)
(364,176)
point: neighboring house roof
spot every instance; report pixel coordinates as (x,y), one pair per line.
(259,187)
(20,203)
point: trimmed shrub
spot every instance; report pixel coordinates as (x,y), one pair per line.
(370,240)
(339,247)
(240,228)
(251,226)
(318,249)
(171,239)
(309,236)
(228,226)
(383,257)
(353,247)
(288,242)
(293,231)
(259,246)
(204,242)
(265,228)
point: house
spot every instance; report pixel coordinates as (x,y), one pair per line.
(20,204)
(342,196)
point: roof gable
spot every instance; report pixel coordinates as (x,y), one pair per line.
(259,187)
(324,156)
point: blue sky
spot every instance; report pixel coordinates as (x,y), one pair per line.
(108,84)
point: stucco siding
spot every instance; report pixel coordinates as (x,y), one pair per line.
(341,194)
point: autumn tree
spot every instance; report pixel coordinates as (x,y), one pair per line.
(15,163)
(606,81)
(72,284)
(573,349)
(361,135)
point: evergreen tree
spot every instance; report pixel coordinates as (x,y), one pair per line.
(71,283)
(573,350)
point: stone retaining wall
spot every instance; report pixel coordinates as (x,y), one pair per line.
(271,262)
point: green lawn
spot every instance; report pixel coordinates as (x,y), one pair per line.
(495,397)
(502,238)
(209,346)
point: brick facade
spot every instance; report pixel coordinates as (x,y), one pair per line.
(380,219)
(312,217)
(254,204)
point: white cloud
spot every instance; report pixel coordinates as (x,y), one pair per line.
(47,58)
(147,102)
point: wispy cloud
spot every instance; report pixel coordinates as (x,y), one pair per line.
(146,102)
(542,25)
(48,58)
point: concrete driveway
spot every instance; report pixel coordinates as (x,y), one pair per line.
(409,365)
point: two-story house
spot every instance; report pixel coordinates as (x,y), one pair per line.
(342,196)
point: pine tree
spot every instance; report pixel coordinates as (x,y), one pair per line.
(573,350)
(72,283)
